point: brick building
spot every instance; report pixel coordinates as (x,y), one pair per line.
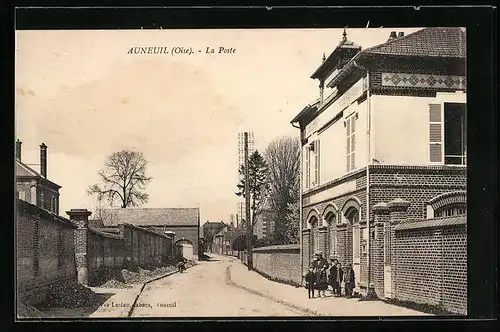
(388,126)
(264,225)
(34,187)
(183,222)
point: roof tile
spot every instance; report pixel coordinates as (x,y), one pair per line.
(153,216)
(440,42)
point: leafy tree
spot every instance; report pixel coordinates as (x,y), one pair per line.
(283,157)
(258,183)
(123,178)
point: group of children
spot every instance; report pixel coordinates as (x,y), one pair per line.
(323,274)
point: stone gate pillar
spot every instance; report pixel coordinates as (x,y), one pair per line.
(80,217)
(381,213)
(398,209)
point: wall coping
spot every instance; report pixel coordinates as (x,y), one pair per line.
(142,229)
(432,223)
(278,248)
(27,209)
(107,235)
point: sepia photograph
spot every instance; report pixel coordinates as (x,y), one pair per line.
(211,173)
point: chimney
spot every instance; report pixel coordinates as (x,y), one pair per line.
(393,35)
(401,34)
(18,149)
(43,160)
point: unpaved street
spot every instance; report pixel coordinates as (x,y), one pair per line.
(203,291)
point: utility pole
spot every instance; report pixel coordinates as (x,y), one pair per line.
(247,209)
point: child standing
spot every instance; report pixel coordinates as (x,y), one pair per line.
(322,281)
(310,277)
(349,280)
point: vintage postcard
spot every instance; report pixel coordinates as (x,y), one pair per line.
(241,173)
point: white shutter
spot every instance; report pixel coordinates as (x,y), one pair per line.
(435,133)
(307,168)
(316,162)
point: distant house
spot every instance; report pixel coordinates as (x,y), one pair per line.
(34,187)
(264,225)
(209,230)
(184,222)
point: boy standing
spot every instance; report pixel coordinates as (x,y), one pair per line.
(309,277)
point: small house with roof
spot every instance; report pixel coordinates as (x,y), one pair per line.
(389,123)
(183,223)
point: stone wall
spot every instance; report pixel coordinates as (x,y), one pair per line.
(114,248)
(279,263)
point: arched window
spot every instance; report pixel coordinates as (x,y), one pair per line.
(352,216)
(314,235)
(451,210)
(332,243)
(447,204)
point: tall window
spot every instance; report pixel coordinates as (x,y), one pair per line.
(307,167)
(351,143)
(448,133)
(316,162)
(53,203)
(352,215)
(455,134)
(330,218)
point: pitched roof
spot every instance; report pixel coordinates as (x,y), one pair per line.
(434,222)
(434,41)
(23,170)
(213,224)
(153,216)
(345,46)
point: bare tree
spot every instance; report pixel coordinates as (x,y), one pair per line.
(124,179)
(283,158)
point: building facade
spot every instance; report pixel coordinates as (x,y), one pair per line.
(389,125)
(34,187)
(264,225)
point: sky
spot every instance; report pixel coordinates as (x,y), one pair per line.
(85,97)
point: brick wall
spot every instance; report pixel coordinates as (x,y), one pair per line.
(45,252)
(416,184)
(431,265)
(280,263)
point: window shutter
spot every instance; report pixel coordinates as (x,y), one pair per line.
(317,151)
(435,128)
(306,170)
